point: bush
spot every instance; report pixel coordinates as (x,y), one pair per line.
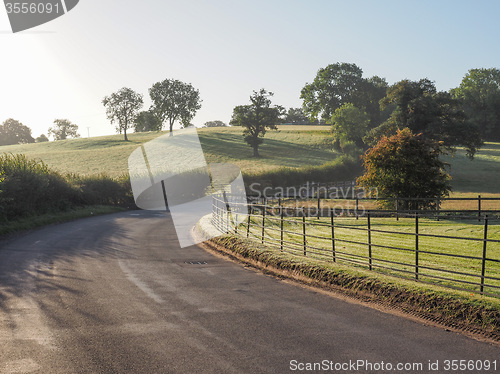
(406,165)
(29,188)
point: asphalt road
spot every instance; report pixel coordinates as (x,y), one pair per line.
(116,294)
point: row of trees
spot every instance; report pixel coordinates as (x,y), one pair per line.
(404,128)
(172,101)
(14,132)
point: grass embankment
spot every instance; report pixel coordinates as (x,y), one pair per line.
(457,309)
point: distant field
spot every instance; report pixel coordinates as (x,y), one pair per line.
(291,146)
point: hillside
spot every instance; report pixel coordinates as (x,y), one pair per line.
(291,146)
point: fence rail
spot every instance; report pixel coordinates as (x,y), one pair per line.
(409,251)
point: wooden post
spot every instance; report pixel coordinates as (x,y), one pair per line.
(479,208)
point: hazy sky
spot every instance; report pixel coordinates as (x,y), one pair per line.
(228,48)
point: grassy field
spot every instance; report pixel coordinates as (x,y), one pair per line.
(290,146)
(352,246)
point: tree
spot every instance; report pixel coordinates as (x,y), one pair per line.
(63,129)
(437,115)
(342,83)
(146,121)
(350,124)
(41,139)
(480,94)
(14,132)
(296,116)
(174,101)
(257,118)
(406,165)
(122,108)
(215,123)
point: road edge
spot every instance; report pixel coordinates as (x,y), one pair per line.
(451,314)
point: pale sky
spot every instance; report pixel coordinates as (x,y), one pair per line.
(229,48)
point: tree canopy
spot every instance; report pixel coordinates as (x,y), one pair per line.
(480,94)
(41,139)
(173,101)
(122,108)
(215,123)
(14,132)
(341,83)
(257,118)
(349,124)
(296,116)
(437,115)
(146,121)
(406,165)
(63,129)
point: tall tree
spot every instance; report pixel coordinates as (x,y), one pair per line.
(257,118)
(173,101)
(333,86)
(341,83)
(350,124)
(14,132)
(296,116)
(480,93)
(41,139)
(215,123)
(146,121)
(122,108)
(437,115)
(406,165)
(63,129)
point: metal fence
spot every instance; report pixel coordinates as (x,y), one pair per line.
(365,241)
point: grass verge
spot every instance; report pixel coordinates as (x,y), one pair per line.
(32,222)
(459,310)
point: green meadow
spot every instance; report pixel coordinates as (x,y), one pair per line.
(289,146)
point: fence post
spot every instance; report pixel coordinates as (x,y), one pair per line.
(281,230)
(319,204)
(333,234)
(304,232)
(438,202)
(248,222)
(357,207)
(479,208)
(416,246)
(236,223)
(369,241)
(397,209)
(483,266)
(263,222)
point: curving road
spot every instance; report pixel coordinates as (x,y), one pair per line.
(116,294)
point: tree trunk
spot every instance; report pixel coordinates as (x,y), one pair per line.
(256,151)
(125,133)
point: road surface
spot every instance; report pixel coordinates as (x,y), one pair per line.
(116,294)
